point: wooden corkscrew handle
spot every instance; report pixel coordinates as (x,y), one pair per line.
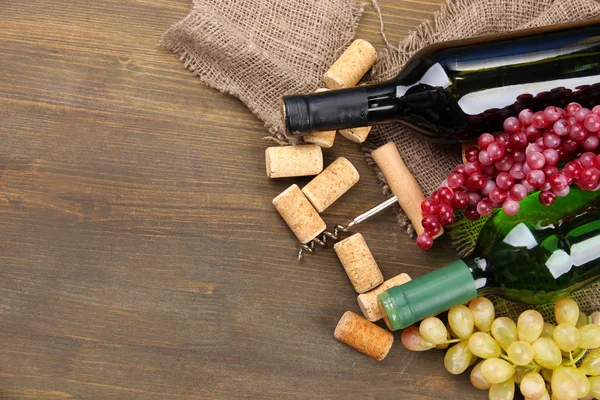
(401,182)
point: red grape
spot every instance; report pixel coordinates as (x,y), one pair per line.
(547,198)
(498,195)
(592,122)
(456,180)
(460,200)
(510,207)
(485,207)
(552,140)
(425,241)
(512,125)
(429,206)
(471,214)
(525,116)
(561,127)
(572,108)
(517,192)
(504,180)
(518,140)
(538,120)
(431,224)
(472,167)
(472,154)
(536,178)
(475,182)
(485,140)
(496,150)
(551,157)
(587,159)
(536,160)
(573,169)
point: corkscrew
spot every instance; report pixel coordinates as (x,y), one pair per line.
(401,183)
(326,236)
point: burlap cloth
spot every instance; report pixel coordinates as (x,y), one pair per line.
(260,50)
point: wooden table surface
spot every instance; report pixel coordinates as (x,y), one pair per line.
(141,257)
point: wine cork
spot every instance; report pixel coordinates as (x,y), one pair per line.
(356,135)
(358,262)
(352,65)
(289,161)
(299,214)
(595,317)
(368,302)
(323,139)
(401,182)
(364,336)
(331,184)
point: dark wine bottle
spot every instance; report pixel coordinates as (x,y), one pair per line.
(535,257)
(454,91)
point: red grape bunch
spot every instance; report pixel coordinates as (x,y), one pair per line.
(547,150)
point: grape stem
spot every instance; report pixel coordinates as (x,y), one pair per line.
(571,358)
(505,358)
(453,341)
(575,360)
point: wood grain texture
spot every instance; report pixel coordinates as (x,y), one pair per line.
(141,256)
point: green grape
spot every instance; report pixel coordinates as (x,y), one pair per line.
(581,381)
(546,353)
(483,313)
(444,345)
(530,325)
(458,358)
(460,319)
(595,317)
(412,340)
(566,311)
(589,336)
(594,386)
(547,374)
(520,353)
(563,386)
(544,396)
(503,391)
(474,358)
(521,371)
(591,363)
(533,385)
(566,337)
(496,370)
(504,330)
(433,330)
(582,320)
(477,380)
(453,335)
(483,345)
(548,330)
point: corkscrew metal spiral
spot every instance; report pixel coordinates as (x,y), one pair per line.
(326,236)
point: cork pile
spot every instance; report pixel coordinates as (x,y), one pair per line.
(301,208)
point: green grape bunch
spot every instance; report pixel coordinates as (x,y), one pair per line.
(547,361)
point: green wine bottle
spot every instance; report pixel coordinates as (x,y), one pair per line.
(535,257)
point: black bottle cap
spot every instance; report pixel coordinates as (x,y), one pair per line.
(296,115)
(323,111)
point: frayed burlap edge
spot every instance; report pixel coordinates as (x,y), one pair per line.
(277,133)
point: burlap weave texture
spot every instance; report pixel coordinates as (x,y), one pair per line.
(260,50)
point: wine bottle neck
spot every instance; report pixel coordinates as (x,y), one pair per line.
(428,295)
(342,109)
(477,267)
